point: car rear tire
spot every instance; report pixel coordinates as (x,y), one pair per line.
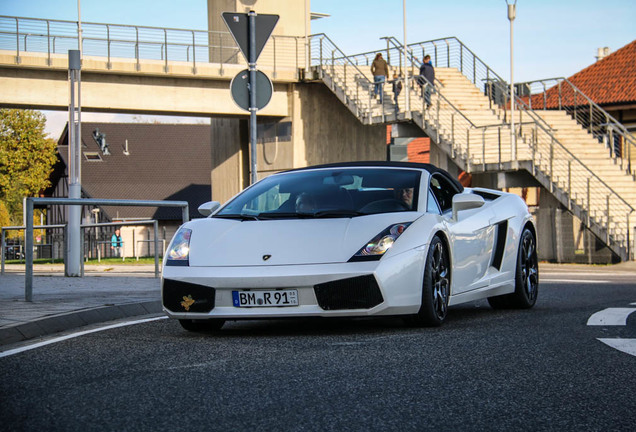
(201,325)
(526,277)
(435,287)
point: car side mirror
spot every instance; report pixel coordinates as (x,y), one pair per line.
(466,202)
(209,207)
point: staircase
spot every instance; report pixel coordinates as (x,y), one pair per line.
(472,127)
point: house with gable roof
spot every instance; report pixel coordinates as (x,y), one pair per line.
(136,161)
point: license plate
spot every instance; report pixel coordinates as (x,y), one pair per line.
(265,298)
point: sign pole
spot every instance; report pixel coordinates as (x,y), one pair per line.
(243,29)
(74,238)
(251,63)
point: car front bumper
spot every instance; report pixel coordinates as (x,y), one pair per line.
(398,279)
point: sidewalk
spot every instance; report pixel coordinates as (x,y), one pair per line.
(59,303)
(113,292)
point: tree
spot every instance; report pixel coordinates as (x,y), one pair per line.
(27,157)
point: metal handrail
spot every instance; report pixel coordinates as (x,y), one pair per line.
(543,146)
(124,41)
(538,120)
(608,122)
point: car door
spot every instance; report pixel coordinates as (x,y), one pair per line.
(471,238)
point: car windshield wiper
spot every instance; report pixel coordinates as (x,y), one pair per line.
(285,215)
(337,213)
(310,215)
(242,216)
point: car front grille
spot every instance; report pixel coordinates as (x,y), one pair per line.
(187,297)
(360,292)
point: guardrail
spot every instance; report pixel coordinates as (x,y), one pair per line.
(3,245)
(30,202)
(153,222)
(19,35)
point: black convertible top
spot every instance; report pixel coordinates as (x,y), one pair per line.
(427,167)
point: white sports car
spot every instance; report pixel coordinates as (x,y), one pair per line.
(351,239)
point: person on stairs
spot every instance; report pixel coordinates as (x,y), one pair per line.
(427,79)
(380,70)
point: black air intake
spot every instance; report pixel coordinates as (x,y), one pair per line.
(360,292)
(187,297)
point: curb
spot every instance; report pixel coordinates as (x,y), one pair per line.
(67,321)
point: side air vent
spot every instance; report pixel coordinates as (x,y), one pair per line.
(500,244)
(360,292)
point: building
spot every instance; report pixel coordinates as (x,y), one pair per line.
(140,162)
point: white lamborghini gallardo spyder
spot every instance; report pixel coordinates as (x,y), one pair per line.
(351,239)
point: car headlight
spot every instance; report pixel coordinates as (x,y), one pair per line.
(179,251)
(378,245)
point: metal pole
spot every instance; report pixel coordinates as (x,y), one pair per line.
(28,254)
(74,169)
(79,27)
(251,62)
(307,23)
(156,229)
(512,10)
(406,74)
(2,250)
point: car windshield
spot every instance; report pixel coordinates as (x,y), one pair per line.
(327,193)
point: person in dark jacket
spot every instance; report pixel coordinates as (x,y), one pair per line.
(397,88)
(427,79)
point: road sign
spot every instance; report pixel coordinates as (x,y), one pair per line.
(241,91)
(238,24)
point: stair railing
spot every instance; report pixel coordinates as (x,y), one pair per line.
(605,212)
(560,93)
(344,76)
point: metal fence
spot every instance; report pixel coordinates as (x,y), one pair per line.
(562,94)
(29,205)
(116,41)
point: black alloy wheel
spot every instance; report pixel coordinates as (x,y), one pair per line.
(526,277)
(435,287)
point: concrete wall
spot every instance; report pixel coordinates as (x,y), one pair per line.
(323,131)
(331,132)
(229,141)
(117,90)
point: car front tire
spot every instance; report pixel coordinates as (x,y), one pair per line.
(435,287)
(526,277)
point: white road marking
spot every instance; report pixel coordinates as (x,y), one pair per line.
(625,345)
(610,317)
(596,273)
(573,281)
(76,334)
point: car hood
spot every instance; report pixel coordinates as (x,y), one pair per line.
(222,242)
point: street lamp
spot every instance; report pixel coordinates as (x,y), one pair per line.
(406,74)
(512,12)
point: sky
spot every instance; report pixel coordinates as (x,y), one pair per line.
(552,38)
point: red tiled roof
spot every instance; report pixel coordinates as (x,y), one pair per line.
(609,81)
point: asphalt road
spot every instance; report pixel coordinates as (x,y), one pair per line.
(542,369)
